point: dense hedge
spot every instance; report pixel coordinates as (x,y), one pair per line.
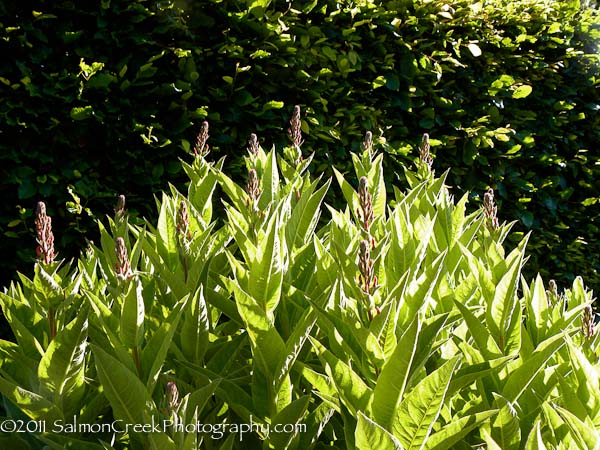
(100,98)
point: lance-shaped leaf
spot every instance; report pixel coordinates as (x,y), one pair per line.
(456,430)
(369,435)
(265,271)
(203,180)
(504,306)
(166,240)
(28,343)
(49,291)
(419,290)
(61,370)
(197,400)
(269,181)
(521,377)
(234,192)
(132,316)
(290,415)
(349,193)
(155,351)
(583,432)
(128,397)
(538,310)
(294,345)
(389,390)
(468,374)
(104,328)
(505,429)
(193,338)
(15,365)
(32,404)
(419,410)
(305,215)
(314,424)
(267,345)
(353,391)
(481,335)
(588,376)
(535,441)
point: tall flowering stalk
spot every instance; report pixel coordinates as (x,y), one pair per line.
(184,235)
(253,145)
(424,154)
(122,268)
(367,277)
(367,144)
(552,294)
(201,147)
(45,252)
(120,208)
(365,213)
(295,129)
(172,396)
(253,190)
(44,235)
(295,135)
(587,323)
(490,210)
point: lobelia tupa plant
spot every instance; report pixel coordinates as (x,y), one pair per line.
(399,322)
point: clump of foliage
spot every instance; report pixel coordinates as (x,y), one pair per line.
(508,88)
(396,322)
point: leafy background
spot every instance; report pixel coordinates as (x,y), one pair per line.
(102,98)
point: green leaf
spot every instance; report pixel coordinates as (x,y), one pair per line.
(32,404)
(392,381)
(351,388)
(520,378)
(203,179)
(349,193)
(198,399)
(28,343)
(49,289)
(290,415)
(538,310)
(294,346)
(505,429)
(419,410)
(132,316)
(272,104)
(155,351)
(166,241)
(266,270)
(234,192)
(584,432)
(269,182)
(61,370)
(535,441)
(369,435)
(500,315)
(305,215)
(456,430)
(81,112)
(194,330)
(483,339)
(128,397)
(522,91)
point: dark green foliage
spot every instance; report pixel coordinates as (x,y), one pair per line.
(105,96)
